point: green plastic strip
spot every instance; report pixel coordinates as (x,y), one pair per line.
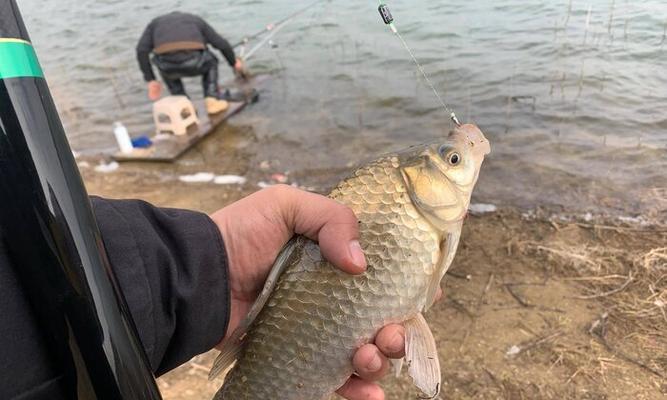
(18,59)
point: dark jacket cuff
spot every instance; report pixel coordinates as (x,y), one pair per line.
(171,266)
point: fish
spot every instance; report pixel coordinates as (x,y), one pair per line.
(298,340)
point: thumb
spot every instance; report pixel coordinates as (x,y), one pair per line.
(333,225)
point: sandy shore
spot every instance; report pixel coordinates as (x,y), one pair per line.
(534,307)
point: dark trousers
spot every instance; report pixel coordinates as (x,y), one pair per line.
(174,66)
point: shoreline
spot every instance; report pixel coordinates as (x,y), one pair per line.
(171,185)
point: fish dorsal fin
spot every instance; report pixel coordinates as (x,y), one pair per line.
(234,343)
(421,356)
(447,252)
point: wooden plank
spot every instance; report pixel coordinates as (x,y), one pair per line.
(167,148)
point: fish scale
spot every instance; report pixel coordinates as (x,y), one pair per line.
(287,356)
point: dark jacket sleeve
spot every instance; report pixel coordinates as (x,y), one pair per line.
(172,268)
(218,42)
(144,49)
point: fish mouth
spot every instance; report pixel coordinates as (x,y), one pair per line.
(473,137)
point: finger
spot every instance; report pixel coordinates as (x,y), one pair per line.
(370,363)
(391,341)
(332,224)
(358,389)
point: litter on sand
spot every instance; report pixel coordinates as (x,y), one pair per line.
(633,220)
(512,351)
(106,168)
(478,209)
(201,177)
(229,180)
(208,177)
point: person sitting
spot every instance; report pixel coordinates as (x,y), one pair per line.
(180,44)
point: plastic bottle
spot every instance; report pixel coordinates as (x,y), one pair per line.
(122,138)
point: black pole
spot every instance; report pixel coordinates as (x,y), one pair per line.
(52,238)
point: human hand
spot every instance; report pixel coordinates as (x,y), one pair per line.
(239,66)
(154,90)
(257,227)
(239,69)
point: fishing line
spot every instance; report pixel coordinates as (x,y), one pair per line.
(389,20)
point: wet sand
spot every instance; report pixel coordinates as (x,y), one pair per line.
(535,307)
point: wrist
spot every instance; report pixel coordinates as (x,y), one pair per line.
(223,266)
(220,220)
(237,301)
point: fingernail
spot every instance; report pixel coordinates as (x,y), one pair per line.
(375,364)
(396,343)
(357,254)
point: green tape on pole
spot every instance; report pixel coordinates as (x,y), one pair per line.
(18,59)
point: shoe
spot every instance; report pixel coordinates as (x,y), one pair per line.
(235,96)
(253,97)
(215,106)
(240,96)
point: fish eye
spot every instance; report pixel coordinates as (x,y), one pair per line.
(454,158)
(450,155)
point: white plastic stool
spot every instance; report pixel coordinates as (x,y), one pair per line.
(174,114)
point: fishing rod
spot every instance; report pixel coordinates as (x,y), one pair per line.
(389,20)
(246,56)
(273,28)
(52,238)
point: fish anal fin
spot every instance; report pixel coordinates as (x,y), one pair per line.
(421,356)
(398,365)
(233,345)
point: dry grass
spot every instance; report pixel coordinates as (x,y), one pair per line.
(631,285)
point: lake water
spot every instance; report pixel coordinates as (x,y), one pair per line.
(576,114)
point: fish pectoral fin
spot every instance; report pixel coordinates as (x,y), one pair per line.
(447,252)
(232,346)
(398,365)
(421,355)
